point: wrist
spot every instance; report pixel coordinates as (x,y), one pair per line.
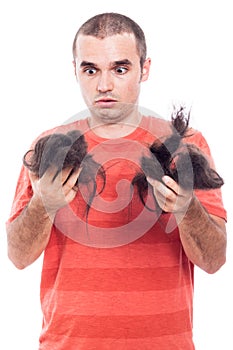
(37,208)
(190,211)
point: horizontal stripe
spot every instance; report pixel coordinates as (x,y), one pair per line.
(132,255)
(70,230)
(166,342)
(122,326)
(115,303)
(134,279)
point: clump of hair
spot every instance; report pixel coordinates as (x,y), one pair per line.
(185,163)
(65,151)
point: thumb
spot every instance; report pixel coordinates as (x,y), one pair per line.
(151,181)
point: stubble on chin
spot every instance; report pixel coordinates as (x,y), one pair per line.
(115,115)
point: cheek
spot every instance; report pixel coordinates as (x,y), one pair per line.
(87,89)
(131,91)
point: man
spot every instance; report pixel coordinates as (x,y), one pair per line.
(121,278)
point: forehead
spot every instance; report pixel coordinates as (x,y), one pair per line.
(111,48)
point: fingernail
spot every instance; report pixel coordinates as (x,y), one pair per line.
(166,179)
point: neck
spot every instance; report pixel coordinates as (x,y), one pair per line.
(111,130)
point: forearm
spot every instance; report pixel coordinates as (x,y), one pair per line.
(203,238)
(28,234)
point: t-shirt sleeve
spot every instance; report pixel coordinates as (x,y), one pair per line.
(210,199)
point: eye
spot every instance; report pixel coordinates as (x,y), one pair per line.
(121,70)
(90,71)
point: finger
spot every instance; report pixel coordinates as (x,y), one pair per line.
(70,180)
(160,188)
(153,182)
(50,174)
(171,184)
(59,176)
(32,176)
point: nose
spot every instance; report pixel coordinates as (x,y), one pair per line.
(105,82)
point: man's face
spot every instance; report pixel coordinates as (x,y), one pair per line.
(109,73)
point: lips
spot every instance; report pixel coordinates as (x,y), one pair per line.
(105,102)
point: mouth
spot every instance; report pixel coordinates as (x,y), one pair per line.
(105,102)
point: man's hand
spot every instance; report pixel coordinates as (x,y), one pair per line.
(54,193)
(170,196)
(203,236)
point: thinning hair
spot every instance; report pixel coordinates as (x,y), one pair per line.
(109,24)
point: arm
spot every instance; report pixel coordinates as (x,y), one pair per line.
(203,236)
(205,247)
(29,233)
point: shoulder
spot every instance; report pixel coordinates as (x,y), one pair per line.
(197,138)
(161,128)
(81,125)
(157,126)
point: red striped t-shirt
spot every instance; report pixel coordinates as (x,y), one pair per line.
(121,279)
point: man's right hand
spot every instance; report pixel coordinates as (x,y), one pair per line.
(54,192)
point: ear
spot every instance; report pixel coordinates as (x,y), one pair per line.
(74,64)
(146,69)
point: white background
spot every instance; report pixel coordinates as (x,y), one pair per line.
(190,43)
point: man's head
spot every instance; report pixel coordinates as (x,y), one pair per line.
(110,63)
(109,24)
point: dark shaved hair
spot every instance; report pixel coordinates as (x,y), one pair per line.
(108,24)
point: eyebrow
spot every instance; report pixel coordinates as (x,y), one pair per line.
(87,64)
(124,62)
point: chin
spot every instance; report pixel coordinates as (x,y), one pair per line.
(108,116)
